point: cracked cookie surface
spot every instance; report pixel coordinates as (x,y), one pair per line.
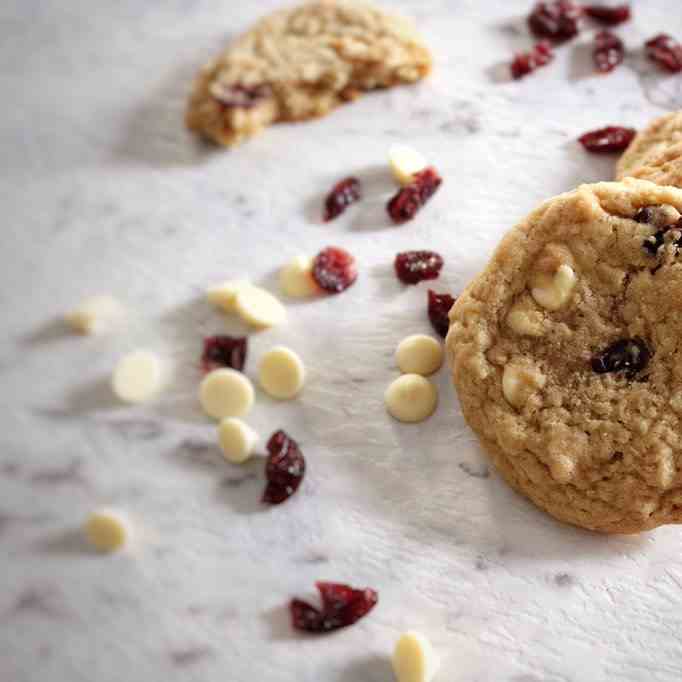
(663,167)
(566,353)
(301,63)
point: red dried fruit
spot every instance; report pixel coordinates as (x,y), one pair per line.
(608,51)
(611,16)
(405,204)
(438,309)
(526,62)
(609,139)
(556,20)
(240,96)
(665,51)
(334,269)
(342,606)
(412,267)
(284,468)
(343,194)
(628,355)
(224,351)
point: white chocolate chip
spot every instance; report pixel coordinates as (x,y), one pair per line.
(296,278)
(137,376)
(226,393)
(524,321)
(411,398)
(419,354)
(281,373)
(414,659)
(405,163)
(107,530)
(237,440)
(259,307)
(519,383)
(552,291)
(94,314)
(224,295)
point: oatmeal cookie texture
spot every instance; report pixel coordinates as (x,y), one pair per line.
(566,354)
(663,167)
(300,63)
(648,145)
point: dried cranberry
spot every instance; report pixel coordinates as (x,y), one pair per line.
(412,267)
(284,468)
(665,51)
(438,309)
(556,20)
(657,217)
(611,16)
(343,194)
(240,96)
(334,269)
(224,351)
(609,139)
(405,204)
(608,51)
(653,243)
(342,606)
(629,355)
(526,62)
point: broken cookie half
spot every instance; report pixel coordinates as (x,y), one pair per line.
(300,63)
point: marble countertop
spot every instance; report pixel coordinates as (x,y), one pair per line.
(102,190)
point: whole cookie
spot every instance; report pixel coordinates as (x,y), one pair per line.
(300,63)
(660,134)
(566,354)
(663,167)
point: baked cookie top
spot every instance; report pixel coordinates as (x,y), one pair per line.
(302,62)
(663,167)
(661,133)
(566,354)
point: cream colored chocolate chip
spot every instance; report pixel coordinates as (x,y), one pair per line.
(237,440)
(296,278)
(224,295)
(414,659)
(411,398)
(94,314)
(259,307)
(419,354)
(107,530)
(552,291)
(137,376)
(524,321)
(405,163)
(226,393)
(281,373)
(519,383)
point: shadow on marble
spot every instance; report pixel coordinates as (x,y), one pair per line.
(279,621)
(581,65)
(241,488)
(46,333)
(196,453)
(68,542)
(372,668)
(92,397)
(499,72)
(588,167)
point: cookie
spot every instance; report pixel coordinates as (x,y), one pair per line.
(566,353)
(661,133)
(301,63)
(663,167)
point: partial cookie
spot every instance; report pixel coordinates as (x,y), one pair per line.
(300,63)
(660,134)
(663,167)
(567,359)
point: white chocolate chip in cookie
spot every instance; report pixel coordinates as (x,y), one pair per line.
(226,393)
(107,530)
(411,398)
(419,354)
(94,315)
(259,307)
(296,278)
(237,440)
(281,373)
(525,321)
(137,377)
(414,659)
(519,382)
(405,163)
(553,291)
(224,295)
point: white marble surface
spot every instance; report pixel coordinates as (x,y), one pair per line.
(103,191)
